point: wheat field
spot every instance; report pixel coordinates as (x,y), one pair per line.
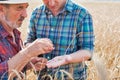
(105,64)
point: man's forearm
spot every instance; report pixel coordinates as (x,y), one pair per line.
(18,62)
(79,56)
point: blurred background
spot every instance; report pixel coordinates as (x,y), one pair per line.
(105,64)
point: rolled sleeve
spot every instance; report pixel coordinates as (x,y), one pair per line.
(86,37)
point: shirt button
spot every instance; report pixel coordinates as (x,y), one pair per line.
(51,15)
(48,57)
(52,29)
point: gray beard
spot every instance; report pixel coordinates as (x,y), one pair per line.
(12,25)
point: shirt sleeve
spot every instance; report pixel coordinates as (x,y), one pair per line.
(86,36)
(3,69)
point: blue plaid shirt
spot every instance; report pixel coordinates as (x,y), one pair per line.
(72,26)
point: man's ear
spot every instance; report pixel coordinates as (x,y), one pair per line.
(1,8)
(1,12)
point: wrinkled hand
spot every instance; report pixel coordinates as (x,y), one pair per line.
(38,63)
(57,61)
(40,46)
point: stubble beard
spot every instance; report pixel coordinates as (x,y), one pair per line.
(11,24)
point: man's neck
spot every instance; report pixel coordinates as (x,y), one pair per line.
(56,11)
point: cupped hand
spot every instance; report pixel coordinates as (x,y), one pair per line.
(57,61)
(40,46)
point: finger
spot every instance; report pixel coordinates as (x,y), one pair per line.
(46,46)
(40,66)
(46,41)
(42,60)
(53,65)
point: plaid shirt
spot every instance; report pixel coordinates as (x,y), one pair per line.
(72,26)
(7,50)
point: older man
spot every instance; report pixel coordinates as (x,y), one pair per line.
(12,56)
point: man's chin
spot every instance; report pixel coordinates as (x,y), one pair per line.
(19,24)
(16,26)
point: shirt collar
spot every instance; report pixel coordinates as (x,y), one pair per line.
(68,7)
(4,33)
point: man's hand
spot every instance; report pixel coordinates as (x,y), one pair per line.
(58,61)
(37,63)
(40,46)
